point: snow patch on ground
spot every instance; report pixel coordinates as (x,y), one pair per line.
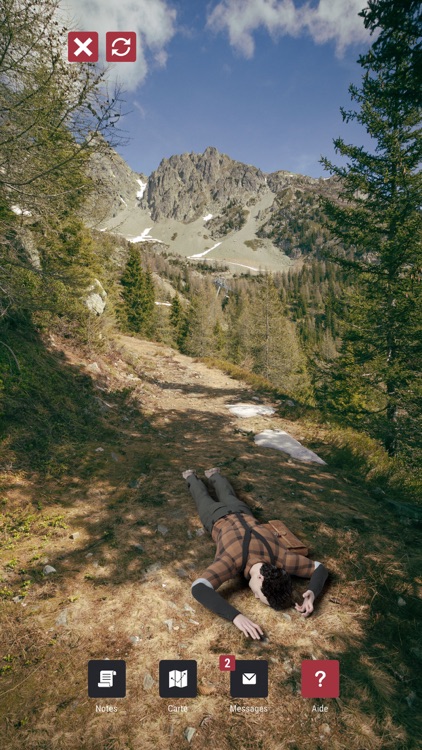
(140,193)
(20,211)
(282,441)
(123,201)
(208,217)
(144,237)
(201,255)
(250,410)
(166,304)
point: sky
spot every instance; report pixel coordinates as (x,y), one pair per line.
(261,80)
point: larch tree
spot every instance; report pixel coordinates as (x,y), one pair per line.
(202,316)
(53,116)
(274,344)
(52,113)
(237,314)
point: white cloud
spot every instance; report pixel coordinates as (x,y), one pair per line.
(328,20)
(152,20)
(337,20)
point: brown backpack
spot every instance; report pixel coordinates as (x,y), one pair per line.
(287,538)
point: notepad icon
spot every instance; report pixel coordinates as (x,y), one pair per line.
(178,679)
(106,678)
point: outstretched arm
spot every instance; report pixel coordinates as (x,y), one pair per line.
(316,584)
(204,593)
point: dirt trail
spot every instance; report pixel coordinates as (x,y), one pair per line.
(129,544)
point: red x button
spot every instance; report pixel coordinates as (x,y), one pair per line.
(121,46)
(82,46)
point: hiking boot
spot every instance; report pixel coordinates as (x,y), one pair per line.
(209,472)
(187,473)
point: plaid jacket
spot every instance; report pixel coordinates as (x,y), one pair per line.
(228,534)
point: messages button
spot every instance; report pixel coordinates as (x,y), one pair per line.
(249,679)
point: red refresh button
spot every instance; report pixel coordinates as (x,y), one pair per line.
(121,46)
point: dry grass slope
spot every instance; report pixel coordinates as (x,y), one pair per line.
(108,589)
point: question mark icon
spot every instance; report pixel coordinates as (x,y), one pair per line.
(322,678)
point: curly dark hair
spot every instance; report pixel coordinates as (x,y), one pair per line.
(277,586)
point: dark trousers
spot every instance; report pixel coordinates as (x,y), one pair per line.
(210,510)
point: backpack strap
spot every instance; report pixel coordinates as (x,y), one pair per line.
(247,538)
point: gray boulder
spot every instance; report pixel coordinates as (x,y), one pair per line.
(96,299)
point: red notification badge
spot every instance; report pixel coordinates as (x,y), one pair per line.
(82,46)
(320,678)
(121,46)
(227,663)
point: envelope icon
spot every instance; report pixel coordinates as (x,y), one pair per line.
(249,678)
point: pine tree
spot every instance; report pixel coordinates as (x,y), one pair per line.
(177,319)
(176,313)
(138,295)
(378,218)
(148,305)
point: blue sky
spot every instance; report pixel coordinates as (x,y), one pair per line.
(261,80)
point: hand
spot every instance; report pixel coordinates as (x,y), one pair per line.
(248,627)
(307,607)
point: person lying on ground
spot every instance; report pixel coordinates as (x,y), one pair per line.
(245,546)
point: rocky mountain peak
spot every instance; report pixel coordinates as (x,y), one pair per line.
(208,205)
(186,186)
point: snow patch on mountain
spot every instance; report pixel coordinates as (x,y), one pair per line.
(140,193)
(242,265)
(144,237)
(201,255)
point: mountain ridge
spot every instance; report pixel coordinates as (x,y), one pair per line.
(211,206)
